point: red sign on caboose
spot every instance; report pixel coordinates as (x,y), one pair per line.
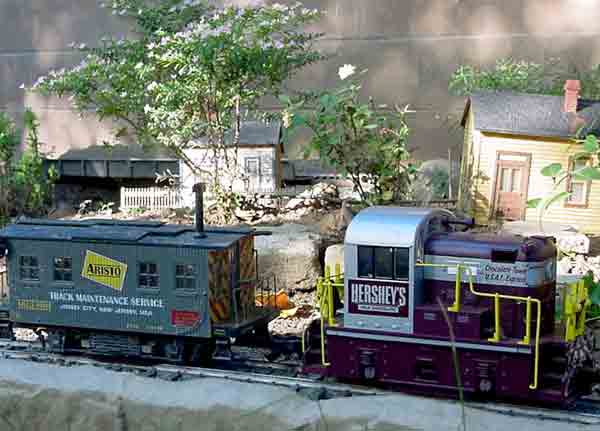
(184,318)
(378,297)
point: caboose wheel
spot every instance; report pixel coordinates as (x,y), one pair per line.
(200,353)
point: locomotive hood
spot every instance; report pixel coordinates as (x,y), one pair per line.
(509,248)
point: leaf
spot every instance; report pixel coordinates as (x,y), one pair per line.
(595,294)
(591,144)
(554,198)
(371,126)
(534,203)
(552,170)
(588,173)
(283,98)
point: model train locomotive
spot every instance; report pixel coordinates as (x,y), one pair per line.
(415,288)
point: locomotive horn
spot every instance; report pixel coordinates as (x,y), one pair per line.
(198,189)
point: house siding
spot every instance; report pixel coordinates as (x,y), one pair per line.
(203,158)
(543,152)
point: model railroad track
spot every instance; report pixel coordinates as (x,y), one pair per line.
(257,370)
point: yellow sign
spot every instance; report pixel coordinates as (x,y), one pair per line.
(103,270)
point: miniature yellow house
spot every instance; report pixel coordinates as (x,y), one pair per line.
(509,137)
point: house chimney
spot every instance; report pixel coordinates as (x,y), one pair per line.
(572,87)
(198,189)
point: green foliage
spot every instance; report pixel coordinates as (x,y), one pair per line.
(439,183)
(508,74)
(365,141)
(525,77)
(24,186)
(559,175)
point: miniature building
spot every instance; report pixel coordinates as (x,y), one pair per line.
(259,156)
(509,138)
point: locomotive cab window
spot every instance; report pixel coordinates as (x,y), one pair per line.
(185,277)
(29,268)
(383,262)
(63,269)
(148,275)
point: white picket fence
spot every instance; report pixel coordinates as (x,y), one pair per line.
(152,198)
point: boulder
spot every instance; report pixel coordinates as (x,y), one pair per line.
(291,254)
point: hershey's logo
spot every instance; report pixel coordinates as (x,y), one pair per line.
(378,294)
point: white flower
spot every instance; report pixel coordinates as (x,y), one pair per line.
(82,46)
(287,119)
(346,70)
(22,86)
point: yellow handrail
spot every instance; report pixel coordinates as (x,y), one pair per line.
(496,297)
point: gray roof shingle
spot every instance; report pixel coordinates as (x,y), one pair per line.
(253,134)
(532,114)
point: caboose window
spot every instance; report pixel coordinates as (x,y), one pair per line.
(383,262)
(148,275)
(63,269)
(185,277)
(29,268)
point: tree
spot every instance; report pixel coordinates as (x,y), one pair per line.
(192,71)
(365,141)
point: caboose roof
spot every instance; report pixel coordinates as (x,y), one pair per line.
(388,226)
(123,232)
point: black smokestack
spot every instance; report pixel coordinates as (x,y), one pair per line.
(199,190)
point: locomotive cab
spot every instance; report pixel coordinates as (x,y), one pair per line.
(382,280)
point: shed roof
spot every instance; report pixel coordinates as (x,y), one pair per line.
(253,134)
(123,232)
(388,226)
(531,114)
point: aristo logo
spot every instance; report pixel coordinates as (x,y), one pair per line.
(103,270)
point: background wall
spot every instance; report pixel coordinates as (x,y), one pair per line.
(409,46)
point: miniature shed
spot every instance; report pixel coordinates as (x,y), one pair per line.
(509,138)
(259,155)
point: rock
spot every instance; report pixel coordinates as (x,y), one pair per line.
(291,254)
(573,243)
(334,254)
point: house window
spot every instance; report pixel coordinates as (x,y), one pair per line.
(383,262)
(579,189)
(63,269)
(185,277)
(252,166)
(148,275)
(29,268)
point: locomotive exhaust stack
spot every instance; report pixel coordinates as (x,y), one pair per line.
(198,189)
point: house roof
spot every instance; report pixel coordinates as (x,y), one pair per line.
(531,114)
(253,134)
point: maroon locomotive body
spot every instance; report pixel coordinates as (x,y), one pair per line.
(414,289)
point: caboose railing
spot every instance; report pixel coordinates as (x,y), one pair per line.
(455,307)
